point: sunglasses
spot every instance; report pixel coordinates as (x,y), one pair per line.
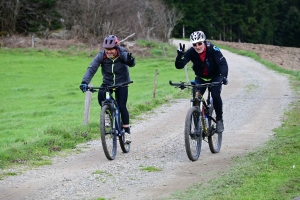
(109,49)
(199,44)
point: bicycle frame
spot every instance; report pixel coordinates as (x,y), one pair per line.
(199,121)
(199,101)
(109,100)
(204,109)
(110,122)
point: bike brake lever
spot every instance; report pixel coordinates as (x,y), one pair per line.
(92,90)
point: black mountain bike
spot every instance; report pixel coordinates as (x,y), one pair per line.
(111,126)
(200,122)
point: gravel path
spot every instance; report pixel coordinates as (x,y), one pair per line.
(254,102)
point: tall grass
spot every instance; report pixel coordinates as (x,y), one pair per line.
(42,107)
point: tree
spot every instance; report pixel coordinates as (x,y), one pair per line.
(98,18)
(288,33)
(9,11)
(25,16)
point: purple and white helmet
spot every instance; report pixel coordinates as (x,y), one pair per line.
(110,41)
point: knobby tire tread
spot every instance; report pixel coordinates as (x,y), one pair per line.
(192,115)
(215,140)
(108,138)
(125,147)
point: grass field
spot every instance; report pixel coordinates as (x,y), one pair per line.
(41,114)
(42,106)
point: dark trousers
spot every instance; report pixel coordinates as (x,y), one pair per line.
(215,94)
(121,96)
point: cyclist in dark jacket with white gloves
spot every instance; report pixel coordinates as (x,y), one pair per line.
(209,65)
(114,61)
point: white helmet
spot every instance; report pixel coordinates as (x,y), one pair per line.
(197,36)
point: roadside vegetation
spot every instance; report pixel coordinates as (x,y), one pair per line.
(42,107)
(41,115)
(272,171)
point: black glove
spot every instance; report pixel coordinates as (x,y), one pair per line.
(130,59)
(83,86)
(180,50)
(225,80)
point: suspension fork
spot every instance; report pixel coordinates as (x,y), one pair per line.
(117,121)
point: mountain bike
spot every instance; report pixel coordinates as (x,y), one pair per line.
(111,126)
(200,122)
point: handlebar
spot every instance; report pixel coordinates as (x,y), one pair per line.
(183,85)
(93,89)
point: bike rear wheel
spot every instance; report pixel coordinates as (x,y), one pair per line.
(214,138)
(108,137)
(124,146)
(193,134)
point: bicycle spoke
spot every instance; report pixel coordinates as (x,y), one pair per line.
(215,138)
(108,137)
(124,146)
(193,139)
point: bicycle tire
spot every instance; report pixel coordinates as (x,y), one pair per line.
(124,146)
(193,134)
(214,138)
(108,136)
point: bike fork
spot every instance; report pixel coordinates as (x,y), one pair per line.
(199,127)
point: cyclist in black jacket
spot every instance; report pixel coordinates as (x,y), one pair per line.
(209,65)
(114,61)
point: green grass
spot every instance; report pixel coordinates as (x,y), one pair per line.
(272,171)
(41,113)
(150,168)
(42,107)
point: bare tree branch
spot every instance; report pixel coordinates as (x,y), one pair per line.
(127,37)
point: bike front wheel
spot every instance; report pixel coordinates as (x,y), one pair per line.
(124,146)
(214,138)
(193,134)
(108,136)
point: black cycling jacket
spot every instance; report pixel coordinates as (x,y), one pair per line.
(114,71)
(215,61)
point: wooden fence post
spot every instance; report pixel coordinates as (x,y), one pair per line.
(87,106)
(186,74)
(155,80)
(32,41)
(164,51)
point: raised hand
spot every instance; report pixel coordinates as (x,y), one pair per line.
(180,50)
(130,59)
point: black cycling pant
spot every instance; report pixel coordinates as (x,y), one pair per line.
(121,96)
(215,94)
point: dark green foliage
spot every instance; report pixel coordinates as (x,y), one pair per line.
(253,21)
(288,33)
(273,22)
(32,16)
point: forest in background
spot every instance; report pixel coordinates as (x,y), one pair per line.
(275,22)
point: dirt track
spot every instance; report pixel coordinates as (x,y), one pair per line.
(254,102)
